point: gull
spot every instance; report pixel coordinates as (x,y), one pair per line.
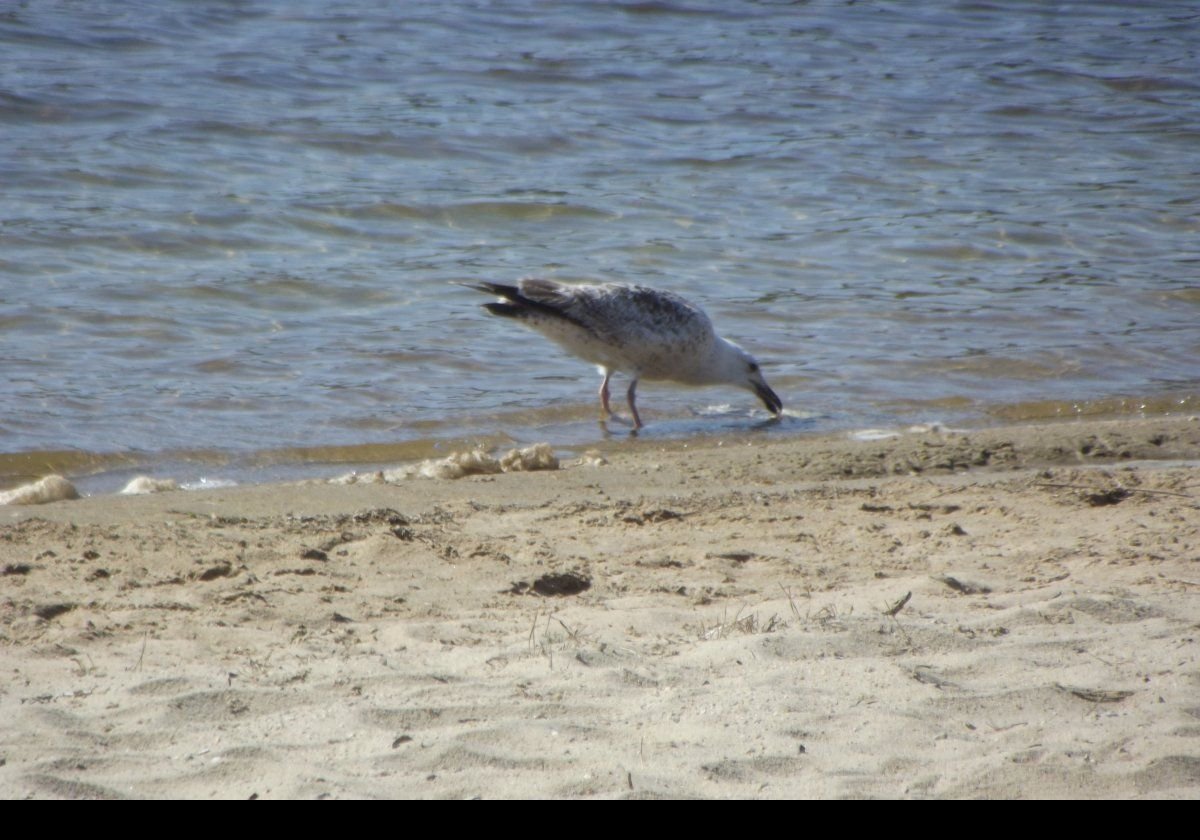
(646,333)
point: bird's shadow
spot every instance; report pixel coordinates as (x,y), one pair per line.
(625,427)
(628,429)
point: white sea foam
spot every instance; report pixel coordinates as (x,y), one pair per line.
(208,484)
(540,456)
(52,488)
(144,484)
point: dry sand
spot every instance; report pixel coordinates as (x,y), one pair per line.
(733,638)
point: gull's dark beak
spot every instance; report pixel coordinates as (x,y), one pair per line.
(769,398)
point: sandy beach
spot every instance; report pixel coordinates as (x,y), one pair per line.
(1008,612)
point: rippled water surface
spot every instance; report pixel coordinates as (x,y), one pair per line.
(229,230)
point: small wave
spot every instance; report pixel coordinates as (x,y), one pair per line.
(471,212)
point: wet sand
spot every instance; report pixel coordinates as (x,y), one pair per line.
(1010,612)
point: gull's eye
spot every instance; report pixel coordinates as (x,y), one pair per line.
(754,367)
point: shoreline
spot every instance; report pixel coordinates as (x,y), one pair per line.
(573,429)
(721,626)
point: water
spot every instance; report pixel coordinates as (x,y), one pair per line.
(228,231)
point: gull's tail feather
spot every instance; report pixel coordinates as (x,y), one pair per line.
(498,289)
(506,310)
(518,305)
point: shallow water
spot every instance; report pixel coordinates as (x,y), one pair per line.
(229,230)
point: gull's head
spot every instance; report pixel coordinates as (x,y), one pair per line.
(740,368)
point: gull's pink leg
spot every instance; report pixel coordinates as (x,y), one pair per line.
(637,421)
(604,395)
